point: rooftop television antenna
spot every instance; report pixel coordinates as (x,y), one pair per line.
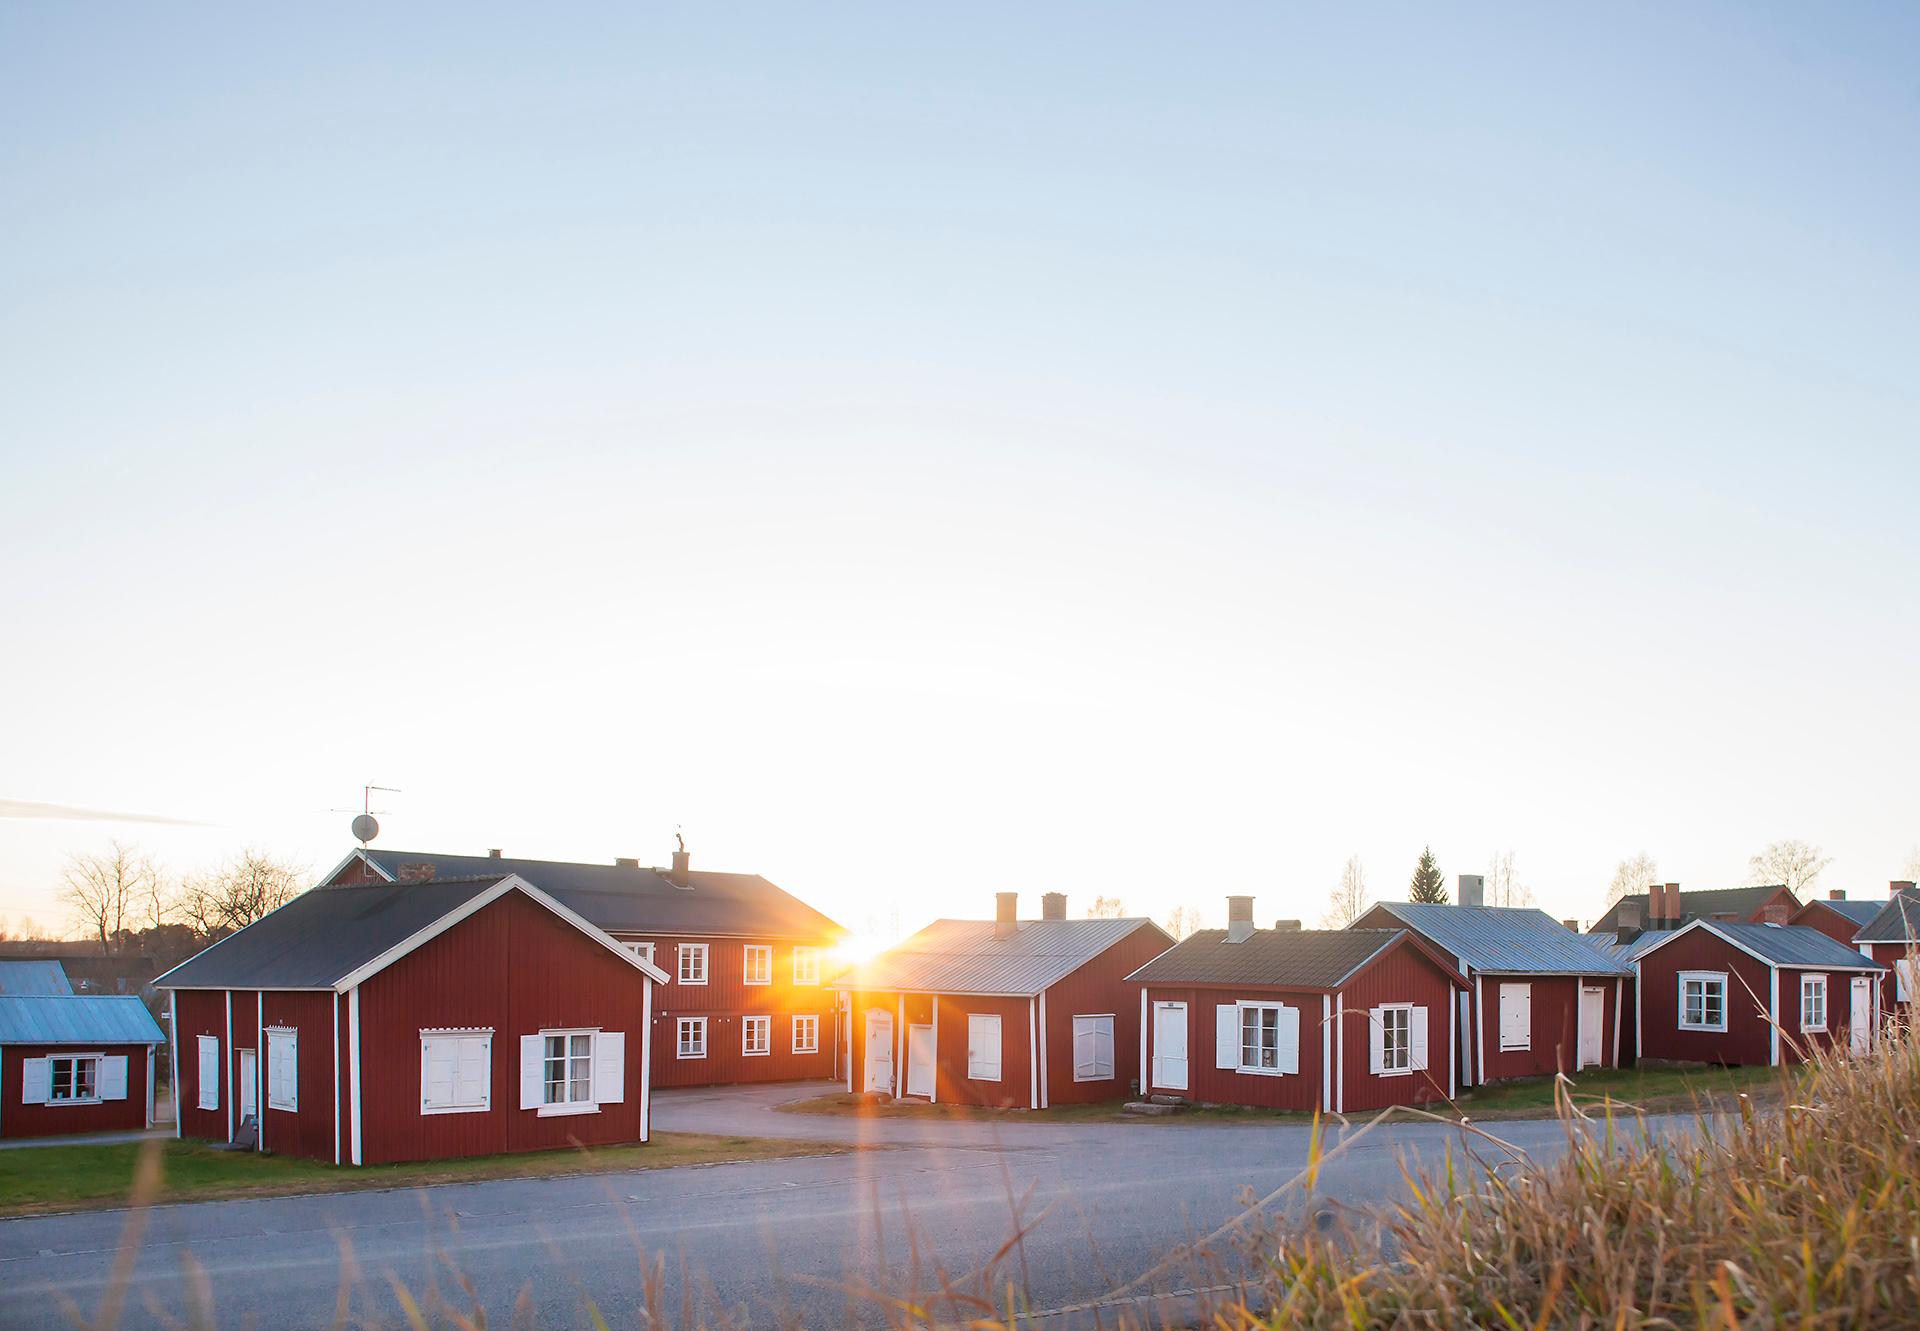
(365,826)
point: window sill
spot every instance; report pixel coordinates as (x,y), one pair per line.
(566,1111)
(1506,1048)
(757,1053)
(691,1058)
(1704,1030)
(693,984)
(87,1100)
(975,1076)
(1813,1030)
(1107,1077)
(1264,1072)
(1394,1072)
(813,1050)
(452,1109)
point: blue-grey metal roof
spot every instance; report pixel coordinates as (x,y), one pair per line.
(1507,940)
(76,1019)
(974,957)
(1793,945)
(1898,921)
(1860,912)
(46,978)
(1633,949)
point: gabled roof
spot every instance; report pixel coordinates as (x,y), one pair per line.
(1506,940)
(1737,901)
(630,900)
(76,1019)
(335,937)
(1796,945)
(972,956)
(1276,958)
(1896,922)
(1860,912)
(45,978)
(1634,948)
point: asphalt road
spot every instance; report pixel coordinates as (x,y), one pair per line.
(1103,1204)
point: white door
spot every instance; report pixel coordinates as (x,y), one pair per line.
(1861,1010)
(249,1075)
(1170,1046)
(920,1061)
(880,1051)
(1593,1021)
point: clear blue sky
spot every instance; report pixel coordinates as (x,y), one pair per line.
(1122,449)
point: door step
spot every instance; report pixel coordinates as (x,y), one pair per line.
(1154,1108)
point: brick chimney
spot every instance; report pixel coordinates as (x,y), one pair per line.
(626,862)
(1473,889)
(1006,914)
(493,854)
(1899,885)
(1053,906)
(1774,914)
(1837,894)
(682,860)
(1286,926)
(416,872)
(1626,926)
(1572,926)
(1239,919)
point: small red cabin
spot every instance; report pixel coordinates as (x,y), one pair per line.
(1338,1020)
(413,1021)
(1005,1012)
(1713,991)
(1892,938)
(1837,917)
(75,1063)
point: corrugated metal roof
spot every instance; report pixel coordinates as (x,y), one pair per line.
(1793,945)
(1274,958)
(1897,922)
(34,977)
(1631,951)
(1507,940)
(635,900)
(76,1019)
(970,957)
(324,935)
(1860,912)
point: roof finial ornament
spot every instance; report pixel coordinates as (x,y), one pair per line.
(681,839)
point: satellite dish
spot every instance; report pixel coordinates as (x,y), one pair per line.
(365,828)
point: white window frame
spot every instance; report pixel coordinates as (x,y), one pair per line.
(1405,1013)
(811,1044)
(1092,1019)
(206,1093)
(428,1038)
(756,964)
(763,1023)
(806,965)
(975,1071)
(688,952)
(1813,984)
(644,951)
(569,1077)
(283,1043)
(685,1026)
(1258,1010)
(73,1078)
(1707,980)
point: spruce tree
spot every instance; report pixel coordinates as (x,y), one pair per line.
(1428,885)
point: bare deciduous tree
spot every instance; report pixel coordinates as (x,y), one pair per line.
(108,894)
(238,893)
(1106,908)
(1183,920)
(1348,901)
(1504,887)
(1793,863)
(1632,877)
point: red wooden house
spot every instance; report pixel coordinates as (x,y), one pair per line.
(1337,1020)
(1003,1012)
(74,1063)
(1837,917)
(1892,937)
(1543,998)
(413,1021)
(1714,991)
(745,999)
(1665,906)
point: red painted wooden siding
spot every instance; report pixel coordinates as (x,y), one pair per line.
(1207,1084)
(724,1000)
(1887,954)
(1403,975)
(22,1120)
(518,969)
(1098,987)
(307,1131)
(198,1012)
(1818,915)
(1745,1041)
(1555,1043)
(952,1085)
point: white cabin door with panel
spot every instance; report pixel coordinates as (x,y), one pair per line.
(880,1051)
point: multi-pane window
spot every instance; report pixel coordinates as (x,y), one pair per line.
(806,1035)
(1813,1002)
(1396,1039)
(756,1035)
(759,964)
(644,951)
(1703,1001)
(693,963)
(806,965)
(74,1079)
(693,1037)
(569,1070)
(1260,1038)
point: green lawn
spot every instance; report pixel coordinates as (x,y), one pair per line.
(66,1178)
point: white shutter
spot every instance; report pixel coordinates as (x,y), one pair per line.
(1086,1056)
(1376,1040)
(1226,1036)
(283,1070)
(473,1071)
(983,1047)
(438,1056)
(209,1078)
(113,1077)
(533,1071)
(609,1067)
(1102,1048)
(1516,1016)
(1289,1039)
(1417,1038)
(1903,980)
(36,1081)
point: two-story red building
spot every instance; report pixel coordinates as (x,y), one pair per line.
(1892,938)
(746,997)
